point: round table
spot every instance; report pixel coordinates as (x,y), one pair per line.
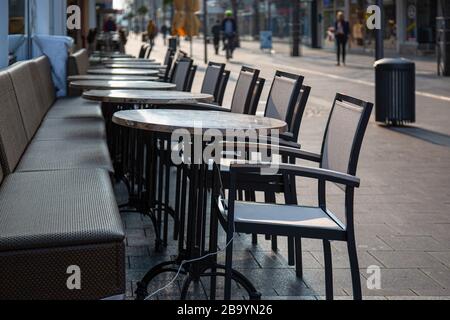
(123,72)
(134,66)
(129,60)
(167,121)
(146,97)
(159,125)
(113,85)
(111,78)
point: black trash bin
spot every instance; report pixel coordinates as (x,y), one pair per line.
(395,91)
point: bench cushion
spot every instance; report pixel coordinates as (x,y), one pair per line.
(30,102)
(69,129)
(13,137)
(75,108)
(64,155)
(46,86)
(68,218)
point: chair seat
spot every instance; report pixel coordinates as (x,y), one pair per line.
(283,215)
(65,155)
(50,221)
(68,129)
(74,108)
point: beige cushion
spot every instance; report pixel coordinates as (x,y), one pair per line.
(70,129)
(30,102)
(82,61)
(46,85)
(13,137)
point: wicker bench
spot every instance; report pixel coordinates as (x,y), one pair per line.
(57,205)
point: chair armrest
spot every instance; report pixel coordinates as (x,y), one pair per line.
(288,136)
(295,153)
(307,172)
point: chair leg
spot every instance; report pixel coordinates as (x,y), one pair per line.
(354,268)
(298,258)
(254,239)
(328,269)
(228,268)
(291,251)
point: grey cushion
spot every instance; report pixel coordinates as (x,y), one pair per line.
(63,155)
(62,208)
(280,96)
(13,137)
(283,215)
(69,129)
(47,88)
(30,102)
(75,108)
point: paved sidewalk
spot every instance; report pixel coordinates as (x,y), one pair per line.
(402,208)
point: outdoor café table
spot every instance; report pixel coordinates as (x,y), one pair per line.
(155,66)
(124,72)
(129,60)
(110,78)
(159,125)
(121,141)
(113,85)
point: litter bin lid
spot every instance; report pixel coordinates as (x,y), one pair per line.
(393,62)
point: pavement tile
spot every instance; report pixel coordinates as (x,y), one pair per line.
(414,243)
(406,259)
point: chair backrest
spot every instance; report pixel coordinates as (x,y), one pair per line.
(79,62)
(13,137)
(46,85)
(165,76)
(283,96)
(30,102)
(299,110)
(148,52)
(169,55)
(143,50)
(181,74)
(191,78)
(213,79)
(256,96)
(223,87)
(344,134)
(243,93)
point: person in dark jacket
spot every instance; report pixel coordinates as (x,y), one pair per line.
(216,32)
(341,33)
(229,29)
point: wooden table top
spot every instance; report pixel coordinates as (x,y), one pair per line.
(124,85)
(146,97)
(155,66)
(124,72)
(167,121)
(111,78)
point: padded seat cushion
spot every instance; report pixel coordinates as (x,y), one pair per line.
(75,107)
(69,218)
(283,215)
(62,208)
(69,129)
(64,155)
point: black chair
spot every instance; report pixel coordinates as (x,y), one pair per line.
(143,50)
(181,74)
(338,164)
(256,96)
(213,81)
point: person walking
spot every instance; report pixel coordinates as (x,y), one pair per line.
(151,32)
(341,32)
(164,31)
(229,29)
(216,32)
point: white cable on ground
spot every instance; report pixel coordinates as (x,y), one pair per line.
(189,261)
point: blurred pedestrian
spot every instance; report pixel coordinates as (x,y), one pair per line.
(341,32)
(216,32)
(152,32)
(110,25)
(164,31)
(229,29)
